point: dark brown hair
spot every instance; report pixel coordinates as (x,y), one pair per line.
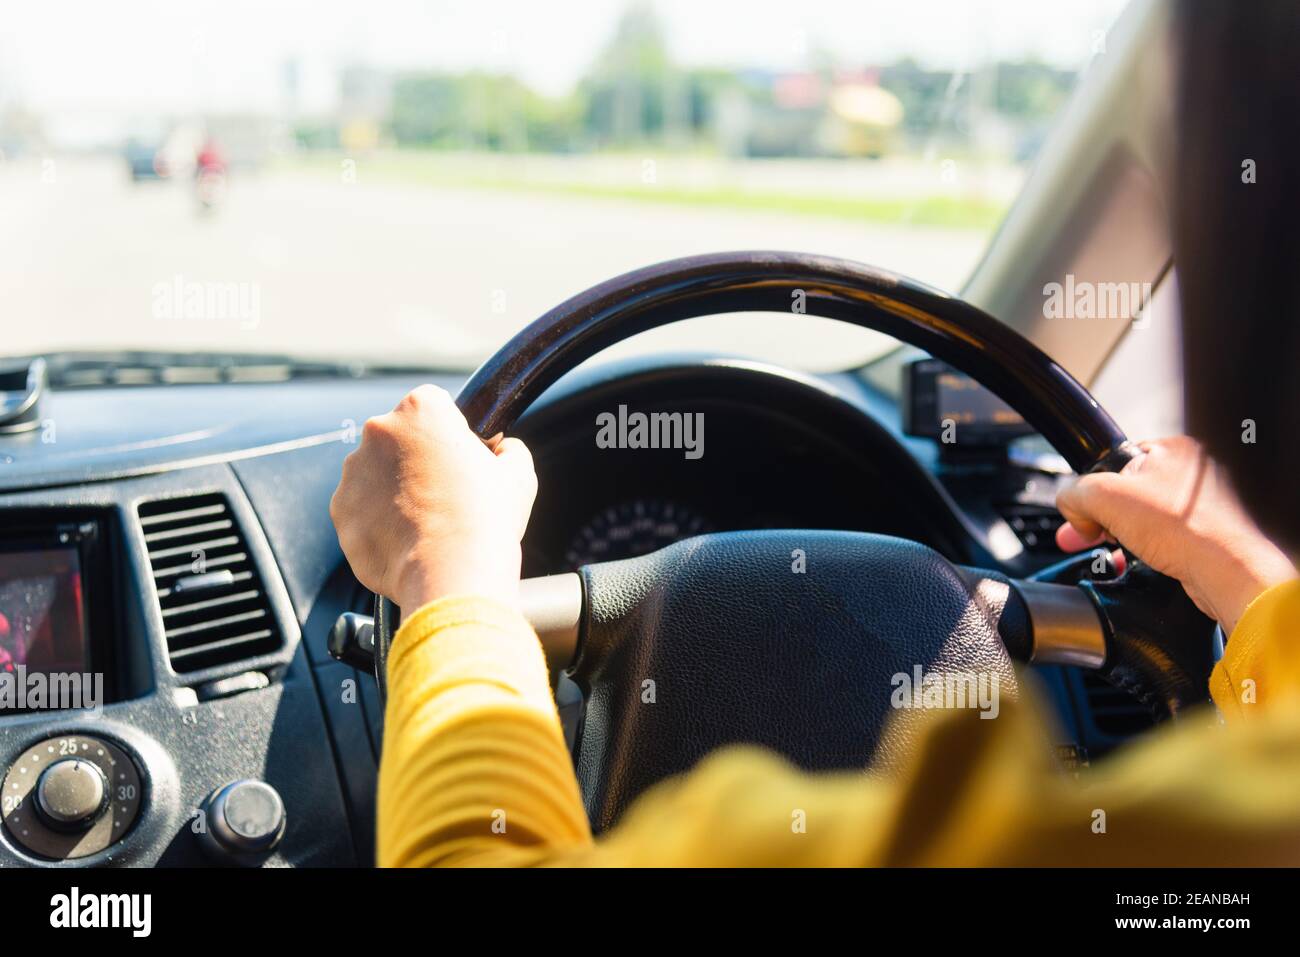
(1237,244)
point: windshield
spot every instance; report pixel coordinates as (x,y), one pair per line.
(412,182)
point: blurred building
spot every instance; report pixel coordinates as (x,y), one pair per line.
(819,114)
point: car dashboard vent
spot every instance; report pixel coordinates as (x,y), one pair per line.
(214,607)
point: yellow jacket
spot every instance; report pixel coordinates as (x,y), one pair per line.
(475,772)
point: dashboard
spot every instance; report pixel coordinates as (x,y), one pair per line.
(172,545)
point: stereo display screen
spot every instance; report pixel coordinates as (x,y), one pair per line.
(42,611)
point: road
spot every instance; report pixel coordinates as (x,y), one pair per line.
(339,267)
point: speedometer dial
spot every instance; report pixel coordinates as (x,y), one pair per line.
(633,528)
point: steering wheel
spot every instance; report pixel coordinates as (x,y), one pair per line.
(720,639)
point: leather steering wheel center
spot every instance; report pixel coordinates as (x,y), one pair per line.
(723,635)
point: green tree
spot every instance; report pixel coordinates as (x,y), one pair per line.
(633,91)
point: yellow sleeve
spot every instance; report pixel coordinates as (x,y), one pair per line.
(474,766)
(473,739)
(984,793)
(1261,662)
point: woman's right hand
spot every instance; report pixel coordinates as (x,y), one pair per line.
(1174,508)
(425,509)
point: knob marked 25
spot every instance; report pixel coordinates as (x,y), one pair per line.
(46,797)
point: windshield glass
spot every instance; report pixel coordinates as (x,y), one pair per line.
(411,182)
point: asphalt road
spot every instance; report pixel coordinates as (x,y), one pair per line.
(317,265)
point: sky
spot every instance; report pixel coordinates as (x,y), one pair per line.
(151,55)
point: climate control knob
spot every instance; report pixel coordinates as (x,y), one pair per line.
(71,794)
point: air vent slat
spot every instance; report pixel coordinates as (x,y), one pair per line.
(166,593)
(168,517)
(225,643)
(214,623)
(187,568)
(173,610)
(186,530)
(209,544)
(226,623)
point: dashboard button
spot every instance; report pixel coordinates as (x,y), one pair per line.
(245,821)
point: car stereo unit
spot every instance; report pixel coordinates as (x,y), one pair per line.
(55,609)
